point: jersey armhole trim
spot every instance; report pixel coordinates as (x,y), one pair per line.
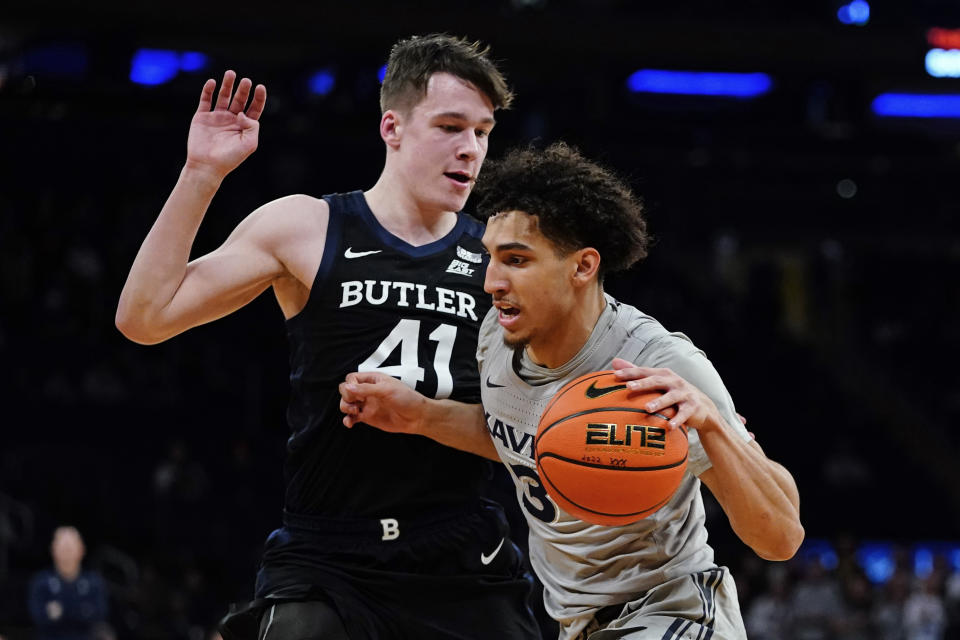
(331,249)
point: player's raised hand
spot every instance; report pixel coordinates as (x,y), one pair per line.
(224,130)
(380,401)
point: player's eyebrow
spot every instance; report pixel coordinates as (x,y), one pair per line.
(513,246)
(457,115)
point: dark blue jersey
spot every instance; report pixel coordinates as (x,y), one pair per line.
(380,304)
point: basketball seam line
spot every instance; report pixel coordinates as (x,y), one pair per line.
(596,465)
(655,507)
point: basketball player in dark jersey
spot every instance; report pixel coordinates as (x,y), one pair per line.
(384,535)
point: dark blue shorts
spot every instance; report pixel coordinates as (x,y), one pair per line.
(453,575)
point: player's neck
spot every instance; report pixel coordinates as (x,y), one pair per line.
(399,212)
(563,341)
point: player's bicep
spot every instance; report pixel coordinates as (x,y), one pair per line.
(226,279)
(221,282)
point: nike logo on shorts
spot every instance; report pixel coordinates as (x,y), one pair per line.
(487,559)
(350,253)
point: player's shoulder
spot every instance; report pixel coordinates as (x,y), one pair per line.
(289,218)
(649,339)
(298,205)
(637,325)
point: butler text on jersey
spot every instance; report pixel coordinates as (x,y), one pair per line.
(409,294)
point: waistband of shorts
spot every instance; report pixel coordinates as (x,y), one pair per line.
(376,527)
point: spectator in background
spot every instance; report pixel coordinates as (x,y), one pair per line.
(858,602)
(924,615)
(951,601)
(816,606)
(766,617)
(67,603)
(887,615)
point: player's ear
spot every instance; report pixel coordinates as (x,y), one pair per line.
(587,264)
(391,128)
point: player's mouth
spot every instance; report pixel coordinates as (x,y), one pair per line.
(461,179)
(507,314)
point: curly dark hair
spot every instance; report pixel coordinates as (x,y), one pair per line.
(578,203)
(413,60)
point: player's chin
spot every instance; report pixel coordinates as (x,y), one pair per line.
(514,340)
(455,201)
(457,204)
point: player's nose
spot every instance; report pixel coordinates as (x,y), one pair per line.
(493,281)
(468,145)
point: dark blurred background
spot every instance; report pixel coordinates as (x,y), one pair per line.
(807,242)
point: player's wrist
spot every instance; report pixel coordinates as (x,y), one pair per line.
(203,174)
(420,425)
(710,425)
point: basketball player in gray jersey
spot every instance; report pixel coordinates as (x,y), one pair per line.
(556,224)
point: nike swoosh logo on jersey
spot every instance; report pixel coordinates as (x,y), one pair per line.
(494,385)
(593,391)
(350,253)
(487,559)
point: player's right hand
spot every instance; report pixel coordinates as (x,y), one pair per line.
(380,401)
(224,133)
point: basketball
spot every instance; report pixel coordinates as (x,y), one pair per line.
(602,457)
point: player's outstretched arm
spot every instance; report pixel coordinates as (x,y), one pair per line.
(384,402)
(164,295)
(758,495)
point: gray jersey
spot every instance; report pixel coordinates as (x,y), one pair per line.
(584,567)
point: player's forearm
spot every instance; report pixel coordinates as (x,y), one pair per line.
(457,425)
(160,265)
(759,496)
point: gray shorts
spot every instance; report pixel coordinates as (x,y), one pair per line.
(699,606)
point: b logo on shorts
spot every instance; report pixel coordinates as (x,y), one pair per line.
(391,528)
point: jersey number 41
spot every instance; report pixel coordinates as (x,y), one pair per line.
(406,335)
